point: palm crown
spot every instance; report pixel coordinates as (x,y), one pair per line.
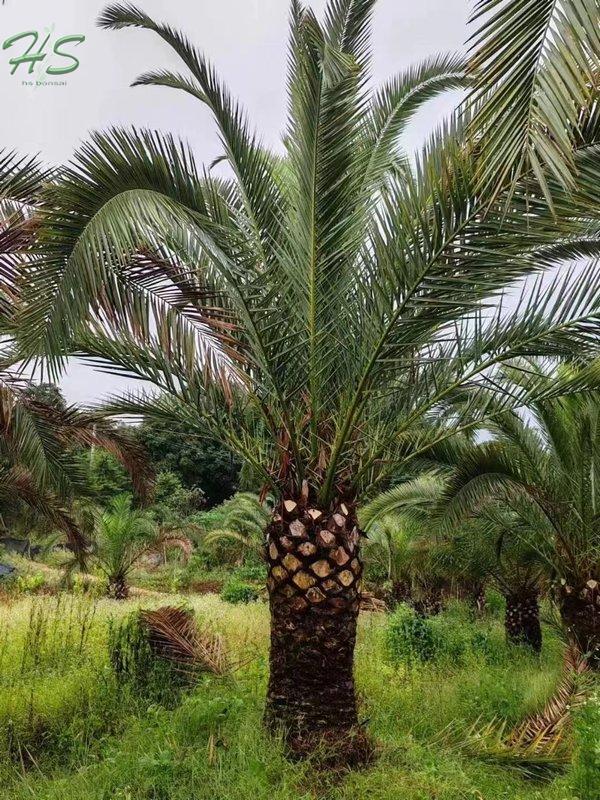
(544,469)
(314,308)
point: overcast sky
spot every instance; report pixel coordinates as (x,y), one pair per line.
(246,39)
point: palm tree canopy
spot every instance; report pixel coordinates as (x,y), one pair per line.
(37,439)
(544,469)
(122,535)
(319,309)
(534,67)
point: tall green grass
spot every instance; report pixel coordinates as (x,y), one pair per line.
(71,731)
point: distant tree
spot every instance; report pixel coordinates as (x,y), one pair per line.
(173,501)
(47,393)
(107,476)
(198,462)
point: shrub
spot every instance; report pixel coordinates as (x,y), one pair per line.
(236,591)
(252,572)
(409,637)
(586,769)
(83,584)
(495,604)
(30,584)
(447,637)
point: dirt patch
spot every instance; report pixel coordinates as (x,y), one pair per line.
(206,587)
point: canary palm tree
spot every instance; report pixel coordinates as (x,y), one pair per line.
(409,550)
(242,521)
(318,310)
(545,469)
(490,544)
(495,548)
(122,536)
(390,546)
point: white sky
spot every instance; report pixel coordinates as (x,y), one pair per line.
(247,41)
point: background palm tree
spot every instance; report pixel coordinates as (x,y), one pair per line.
(544,468)
(242,523)
(489,545)
(496,550)
(122,536)
(319,312)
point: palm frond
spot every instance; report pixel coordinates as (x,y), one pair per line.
(173,634)
(534,66)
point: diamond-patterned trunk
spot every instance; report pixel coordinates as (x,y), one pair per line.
(314,590)
(580,612)
(522,620)
(117,588)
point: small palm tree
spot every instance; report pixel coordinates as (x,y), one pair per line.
(409,551)
(495,549)
(320,310)
(122,536)
(390,545)
(242,521)
(490,545)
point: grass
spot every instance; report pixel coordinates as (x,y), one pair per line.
(68,731)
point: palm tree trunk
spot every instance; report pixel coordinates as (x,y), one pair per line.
(522,620)
(314,591)
(580,612)
(117,588)
(401,592)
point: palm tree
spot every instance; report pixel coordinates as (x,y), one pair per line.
(495,549)
(311,310)
(242,521)
(544,468)
(122,536)
(409,551)
(489,545)
(389,544)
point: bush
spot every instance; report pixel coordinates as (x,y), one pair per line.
(586,769)
(447,637)
(409,637)
(495,604)
(30,584)
(252,572)
(236,591)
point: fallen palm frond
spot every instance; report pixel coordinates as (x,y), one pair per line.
(173,634)
(546,729)
(538,746)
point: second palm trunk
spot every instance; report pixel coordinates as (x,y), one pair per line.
(522,620)
(314,590)
(580,612)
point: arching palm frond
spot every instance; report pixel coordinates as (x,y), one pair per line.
(534,67)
